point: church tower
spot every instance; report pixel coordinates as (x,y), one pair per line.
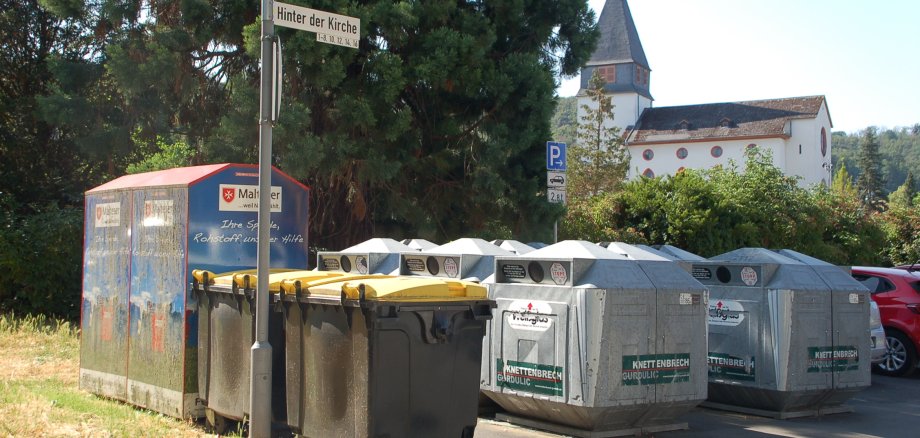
(620,60)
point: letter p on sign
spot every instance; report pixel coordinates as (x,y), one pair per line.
(555,156)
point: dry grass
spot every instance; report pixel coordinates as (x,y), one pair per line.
(39,395)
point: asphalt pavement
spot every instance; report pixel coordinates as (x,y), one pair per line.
(888,408)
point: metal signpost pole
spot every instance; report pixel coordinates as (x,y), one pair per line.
(260,375)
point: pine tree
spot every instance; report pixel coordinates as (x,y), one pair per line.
(599,160)
(842,185)
(869,183)
(904,195)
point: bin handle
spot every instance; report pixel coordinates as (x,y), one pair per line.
(288,287)
(203,277)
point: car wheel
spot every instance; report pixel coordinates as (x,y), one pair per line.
(901,357)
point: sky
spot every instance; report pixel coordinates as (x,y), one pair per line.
(862,55)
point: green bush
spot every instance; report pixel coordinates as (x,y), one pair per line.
(41,260)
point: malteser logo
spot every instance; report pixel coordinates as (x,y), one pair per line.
(228,194)
(239,197)
(108,214)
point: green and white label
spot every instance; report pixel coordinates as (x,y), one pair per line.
(530,377)
(650,369)
(726,366)
(830,359)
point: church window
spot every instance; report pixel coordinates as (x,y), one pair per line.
(726,122)
(648,154)
(751,146)
(680,169)
(716,151)
(608,73)
(684,124)
(641,76)
(800,149)
(648,173)
(823,142)
(682,153)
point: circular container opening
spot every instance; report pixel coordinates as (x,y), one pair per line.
(346,264)
(432,265)
(723,274)
(535,271)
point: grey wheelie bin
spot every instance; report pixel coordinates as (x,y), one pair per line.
(466,258)
(225,336)
(787,333)
(374,256)
(383,356)
(588,342)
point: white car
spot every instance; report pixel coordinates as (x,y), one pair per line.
(877,340)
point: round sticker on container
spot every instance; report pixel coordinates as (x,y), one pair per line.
(749,276)
(361,263)
(535,316)
(558,273)
(451,268)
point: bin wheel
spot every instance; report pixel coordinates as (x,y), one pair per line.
(219,424)
(901,357)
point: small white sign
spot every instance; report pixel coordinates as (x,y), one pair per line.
(531,316)
(361,264)
(451,268)
(726,313)
(321,22)
(239,197)
(555,179)
(159,213)
(108,215)
(749,276)
(557,272)
(556,196)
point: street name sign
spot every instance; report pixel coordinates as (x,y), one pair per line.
(330,28)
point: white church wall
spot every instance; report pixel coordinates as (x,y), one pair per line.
(806,160)
(627,109)
(699,155)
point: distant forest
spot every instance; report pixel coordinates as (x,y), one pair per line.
(899,147)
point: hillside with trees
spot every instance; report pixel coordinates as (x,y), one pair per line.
(898,150)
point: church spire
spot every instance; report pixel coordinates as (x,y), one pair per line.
(619,42)
(620,61)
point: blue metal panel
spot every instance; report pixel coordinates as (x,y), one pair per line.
(107,245)
(223,231)
(157,352)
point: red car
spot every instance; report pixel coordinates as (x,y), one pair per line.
(897,293)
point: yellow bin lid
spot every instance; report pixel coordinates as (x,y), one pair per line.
(418,289)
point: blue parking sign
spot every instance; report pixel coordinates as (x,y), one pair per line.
(555,155)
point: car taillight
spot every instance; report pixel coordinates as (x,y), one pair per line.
(914,308)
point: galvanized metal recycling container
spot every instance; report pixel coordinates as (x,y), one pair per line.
(592,341)
(467,259)
(513,246)
(787,333)
(144,234)
(374,256)
(383,357)
(419,244)
(678,254)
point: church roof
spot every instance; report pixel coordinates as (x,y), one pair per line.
(755,118)
(619,41)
